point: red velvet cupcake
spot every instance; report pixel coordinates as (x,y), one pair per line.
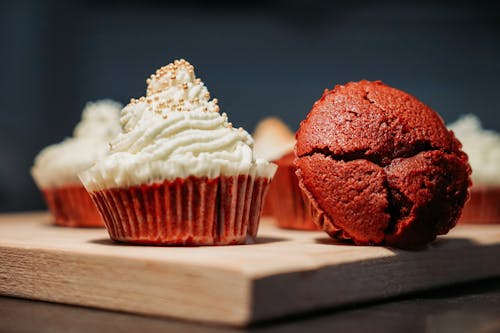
(483,148)
(179,173)
(274,142)
(57,166)
(379,167)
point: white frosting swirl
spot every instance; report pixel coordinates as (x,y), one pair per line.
(483,148)
(175,132)
(59,164)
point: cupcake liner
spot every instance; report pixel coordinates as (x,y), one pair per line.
(191,211)
(267,210)
(72,206)
(285,198)
(483,206)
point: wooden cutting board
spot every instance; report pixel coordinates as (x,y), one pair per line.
(284,273)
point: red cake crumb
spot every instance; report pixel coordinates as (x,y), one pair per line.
(379,167)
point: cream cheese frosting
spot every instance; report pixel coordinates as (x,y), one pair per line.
(59,164)
(175,131)
(483,148)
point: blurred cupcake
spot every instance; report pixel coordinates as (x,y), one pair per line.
(483,148)
(272,138)
(179,173)
(57,166)
(275,142)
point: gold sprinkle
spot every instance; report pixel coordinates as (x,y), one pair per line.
(185,86)
(172,77)
(179,108)
(156,98)
(149,101)
(216,109)
(207,95)
(205,109)
(164,116)
(196,100)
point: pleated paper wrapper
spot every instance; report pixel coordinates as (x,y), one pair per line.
(192,211)
(285,200)
(483,206)
(71,206)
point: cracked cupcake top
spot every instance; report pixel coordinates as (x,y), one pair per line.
(373,121)
(175,131)
(380,167)
(59,164)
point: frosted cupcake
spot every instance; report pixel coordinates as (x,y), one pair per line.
(483,148)
(57,166)
(179,173)
(275,142)
(272,139)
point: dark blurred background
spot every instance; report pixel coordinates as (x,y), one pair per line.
(258,58)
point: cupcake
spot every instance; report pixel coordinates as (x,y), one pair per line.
(179,173)
(379,167)
(57,166)
(274,142)
(483,148)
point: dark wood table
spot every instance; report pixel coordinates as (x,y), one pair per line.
(474,307)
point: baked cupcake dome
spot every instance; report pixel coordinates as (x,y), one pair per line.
(56,167)
(179,173)
(379,167)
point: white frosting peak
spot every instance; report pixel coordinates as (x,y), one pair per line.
(99,120)
(59,164)
(483,148)
(175,131)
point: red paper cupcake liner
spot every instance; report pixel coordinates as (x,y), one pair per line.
(72,206)
(267,210)
(191,211)
(285,198)
(483,206)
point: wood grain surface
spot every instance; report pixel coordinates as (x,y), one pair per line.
(283,273)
